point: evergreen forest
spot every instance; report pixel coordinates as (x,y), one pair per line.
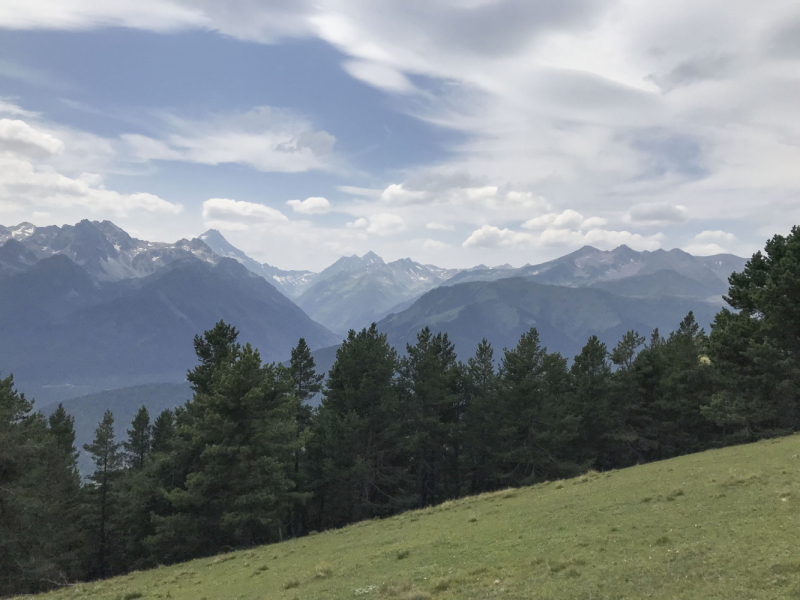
(247,461)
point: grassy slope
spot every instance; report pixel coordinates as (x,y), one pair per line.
(720,524)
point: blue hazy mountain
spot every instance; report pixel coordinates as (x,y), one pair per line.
(351,293)
(356,291)
(69,327)
(564,316)
(627,272)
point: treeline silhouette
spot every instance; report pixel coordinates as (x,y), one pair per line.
(247,461)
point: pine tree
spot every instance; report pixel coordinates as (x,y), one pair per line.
(39,487)
(535,388)
(108,461)
(60,524)
(625,403)
(354,454)
(15,459)
(163,431)
(484,422)
(214,349)
(306,383)
(429,383)
(755,352)
(686,385)
(591,381)
(625,351)
(140,440)
(235,444)
(62,427)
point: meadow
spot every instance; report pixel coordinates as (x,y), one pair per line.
(717,524)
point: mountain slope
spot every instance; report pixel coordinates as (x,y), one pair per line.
(137,330)
(290,283)
(15,258)
(664,283)
(355,291)
(565,317)
(715,525)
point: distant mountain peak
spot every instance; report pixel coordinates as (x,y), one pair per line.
(356,261)
(222,247)
(289,283)
(213,235)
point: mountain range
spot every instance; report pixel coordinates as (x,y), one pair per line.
(90,308)
(101,249)
(87,307)
(626,272)
(350,294)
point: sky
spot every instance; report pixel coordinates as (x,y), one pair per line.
(455,133)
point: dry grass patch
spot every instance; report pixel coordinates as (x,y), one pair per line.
(403,590)
(322,570)
(291,584)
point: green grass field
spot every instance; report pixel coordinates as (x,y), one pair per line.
(720,524)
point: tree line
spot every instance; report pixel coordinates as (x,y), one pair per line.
(247,461)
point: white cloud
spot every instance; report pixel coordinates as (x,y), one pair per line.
(607,240)
(379,75)
(8,108)
(225,213)
(439,227)
(482,193)
(430,244)
(360,223)
(603,239)
(156,15)
(383,224)
(386,224)
(397,194)
(359,191)
(708,243)
(656,213)
(717,236)
(24,185)
(264,138)
(18,136)
(310,206)
(457,198)
(489,236)
(569,219)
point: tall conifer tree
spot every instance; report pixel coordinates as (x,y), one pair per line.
(108,461)
(140,440)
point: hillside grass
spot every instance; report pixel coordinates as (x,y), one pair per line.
(719,524)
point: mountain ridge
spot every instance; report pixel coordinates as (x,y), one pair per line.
(61,327)
(102,249)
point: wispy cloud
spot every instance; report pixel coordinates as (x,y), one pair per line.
(264,138)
